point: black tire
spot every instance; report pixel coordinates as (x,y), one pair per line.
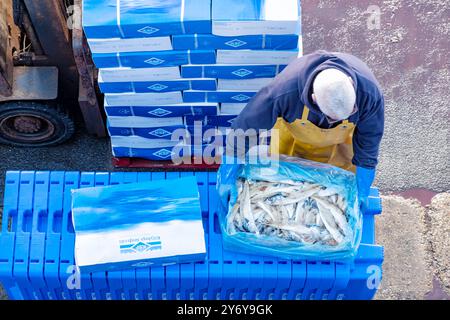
(34,124)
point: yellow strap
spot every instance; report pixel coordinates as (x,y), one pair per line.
(305,113)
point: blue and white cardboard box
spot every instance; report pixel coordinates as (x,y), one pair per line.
(255,42)
(196,120)
(139,74)
(157,86)
(154,59)
(224,120)
(232,108)
(276,57)
(248,17)
(217,96)
(181,137)
(116,45)
(141,142)
(144,99)
(137,225)
(164,111)
(170,153)
(153,132)
(243,85)
(160,132)
(131,121)
(224,71)
(152,154)
(145,18)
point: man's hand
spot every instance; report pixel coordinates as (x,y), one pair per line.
(364,180)
(227,175)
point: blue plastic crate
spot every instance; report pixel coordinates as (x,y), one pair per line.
(37,258)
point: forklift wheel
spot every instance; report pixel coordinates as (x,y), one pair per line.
(34,124)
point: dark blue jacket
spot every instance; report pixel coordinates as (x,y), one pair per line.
(287,94)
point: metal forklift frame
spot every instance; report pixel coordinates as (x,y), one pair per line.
(87,95)
(6,62)
(47,24)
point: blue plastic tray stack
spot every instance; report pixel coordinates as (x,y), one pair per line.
(165,65)
(37,252)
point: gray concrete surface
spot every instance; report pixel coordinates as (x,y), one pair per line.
(410,55)
(407,272)
(83,152)
(439,237)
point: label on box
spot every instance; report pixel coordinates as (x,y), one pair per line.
(217,96)
(140,74)
(141,142)
(256,56)
(144,122)
(241,28)
(143,99)
(232,108)
(130,45)
(244,85)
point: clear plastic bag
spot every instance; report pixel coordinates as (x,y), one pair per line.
(294,169)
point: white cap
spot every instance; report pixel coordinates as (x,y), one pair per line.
(334,93)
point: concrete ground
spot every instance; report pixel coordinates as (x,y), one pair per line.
(410,55)
(406,45)
(416,239)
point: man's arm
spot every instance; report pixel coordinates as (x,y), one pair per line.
(367,136)
(366,144)
(259,113)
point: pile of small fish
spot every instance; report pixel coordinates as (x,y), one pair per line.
(295,211)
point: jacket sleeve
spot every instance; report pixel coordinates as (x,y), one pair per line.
(259,113)
(367,136)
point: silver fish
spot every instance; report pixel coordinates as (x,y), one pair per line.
(338,215)
(298,196)
(247,210)
(267,209)
(327,192)
(329,223)
(341,203)
(300,213)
